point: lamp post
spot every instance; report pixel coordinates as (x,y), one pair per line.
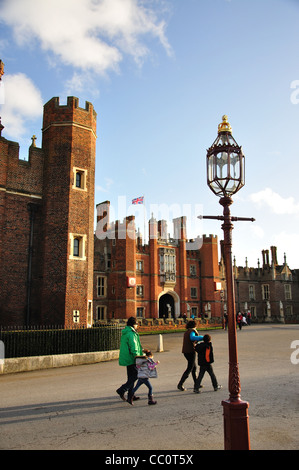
(225,176)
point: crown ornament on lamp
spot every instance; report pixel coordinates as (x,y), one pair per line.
(225,163)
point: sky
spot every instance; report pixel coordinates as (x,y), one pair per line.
(161,74)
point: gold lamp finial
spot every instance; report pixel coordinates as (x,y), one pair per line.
(225,125)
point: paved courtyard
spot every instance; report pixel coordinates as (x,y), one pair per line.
(77,407)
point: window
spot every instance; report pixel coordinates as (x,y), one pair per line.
(168,265)
(139,265)
(192,270)
(265,292)
(108,261)
(101,312)
(139,291)
(251,292)
(77,246)
(193,292)
(101,286)
(289,310)
(80,178)
(194,311)
(253,312)
(287,292)
(140,311)
(76,316)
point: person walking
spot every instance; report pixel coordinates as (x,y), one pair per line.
(146,367)
(205,359)
(190,337)
(130,347)
(240,320)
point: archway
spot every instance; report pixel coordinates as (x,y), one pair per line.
(164,301)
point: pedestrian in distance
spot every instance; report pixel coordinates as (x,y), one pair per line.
(240,320)
(146,369)
(205,359)
(130,347)
(191,336)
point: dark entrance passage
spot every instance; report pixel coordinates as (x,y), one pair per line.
(165,300)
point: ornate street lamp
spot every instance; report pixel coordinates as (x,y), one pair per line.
(225,175)
(225,163)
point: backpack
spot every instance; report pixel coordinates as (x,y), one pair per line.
(146,368)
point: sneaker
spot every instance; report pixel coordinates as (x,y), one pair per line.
(180,387)
(130,401)
(218,388)
(135,398)
(196,390)
(121,394)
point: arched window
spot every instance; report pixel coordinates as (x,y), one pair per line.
(80,178)
(77,246)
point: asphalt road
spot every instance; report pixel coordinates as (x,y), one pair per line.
(76,408)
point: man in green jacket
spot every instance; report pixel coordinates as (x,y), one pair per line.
(130,347)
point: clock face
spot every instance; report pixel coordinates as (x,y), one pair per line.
(131,281)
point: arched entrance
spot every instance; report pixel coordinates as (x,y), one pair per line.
(169,298)
(164,301)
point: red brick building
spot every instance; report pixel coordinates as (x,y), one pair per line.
(47,221)
(55,271)
(164,278)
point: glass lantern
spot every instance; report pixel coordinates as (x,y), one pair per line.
(225,163)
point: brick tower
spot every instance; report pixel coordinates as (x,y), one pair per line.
(69,140)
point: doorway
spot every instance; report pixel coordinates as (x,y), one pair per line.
(165,301)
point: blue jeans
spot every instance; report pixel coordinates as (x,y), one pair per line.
(145,382)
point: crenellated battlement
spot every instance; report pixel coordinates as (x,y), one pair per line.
(71,113)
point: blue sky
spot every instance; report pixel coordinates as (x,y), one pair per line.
(160,74)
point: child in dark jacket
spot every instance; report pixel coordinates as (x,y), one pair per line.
(205,354)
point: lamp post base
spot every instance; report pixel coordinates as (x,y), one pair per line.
(236,425)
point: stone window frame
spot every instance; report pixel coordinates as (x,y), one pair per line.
(265,292)
(193,292)
(83,178)
(140,290)
(103,309)
(287,291)
(78,246)
(103,287)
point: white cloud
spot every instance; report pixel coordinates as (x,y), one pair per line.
(86,34)
(109,182)
(276,203)
(22,103)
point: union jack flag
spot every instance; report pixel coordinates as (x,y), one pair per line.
(138,200)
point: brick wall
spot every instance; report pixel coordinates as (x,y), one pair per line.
(40,281)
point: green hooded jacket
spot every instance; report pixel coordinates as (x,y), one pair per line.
(130,346)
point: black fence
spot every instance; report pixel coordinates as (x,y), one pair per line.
(43,341)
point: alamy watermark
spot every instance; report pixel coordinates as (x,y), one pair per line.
(295,94)
(295,354)
(173,219)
